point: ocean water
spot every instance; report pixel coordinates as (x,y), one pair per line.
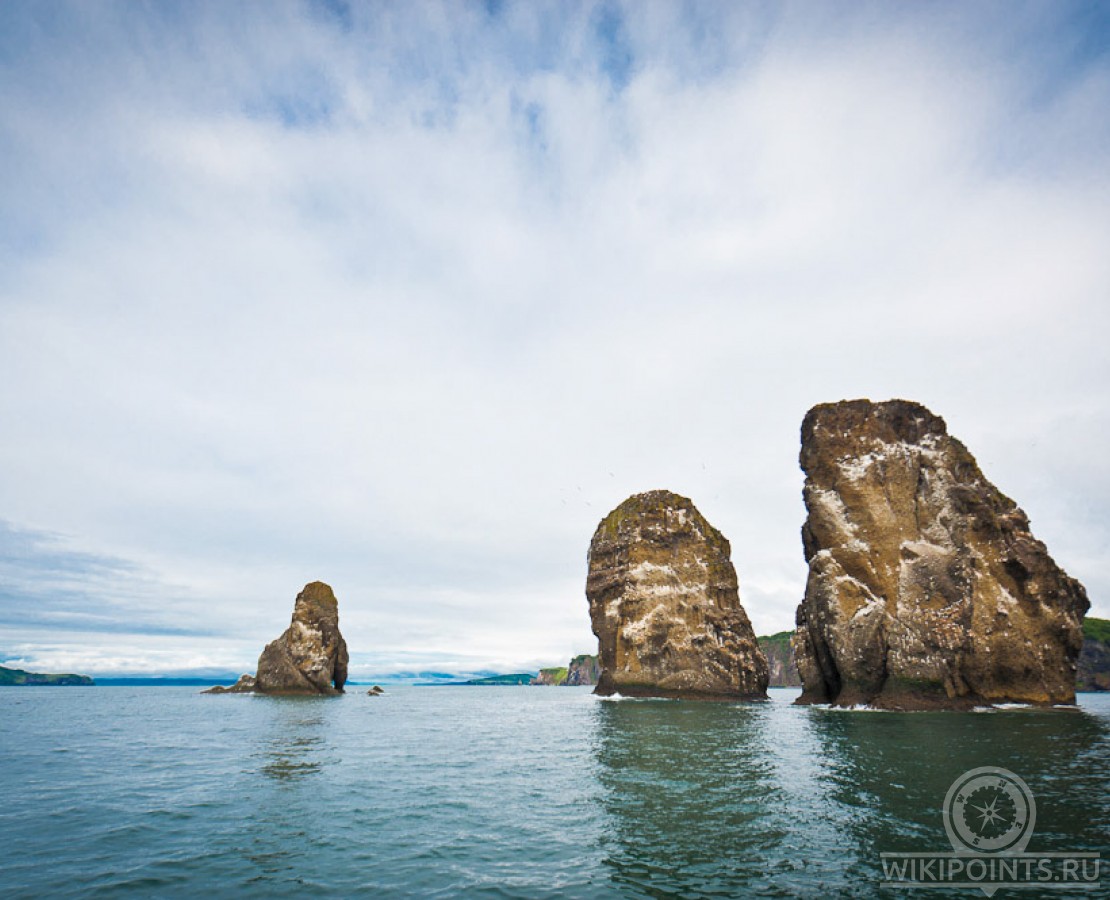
(505,792)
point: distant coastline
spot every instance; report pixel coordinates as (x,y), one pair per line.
(20,678)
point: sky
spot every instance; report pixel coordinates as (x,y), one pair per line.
(406,297)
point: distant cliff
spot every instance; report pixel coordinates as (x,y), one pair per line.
(1094,660)
(16,677)
(780,659)
(582,670)
(551,677)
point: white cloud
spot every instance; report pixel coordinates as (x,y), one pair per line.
(410,307)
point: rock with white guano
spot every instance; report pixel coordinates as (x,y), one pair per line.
(926,587)
(665,607)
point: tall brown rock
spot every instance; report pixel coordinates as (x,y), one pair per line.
(665,608)
(926,587)
(311,656)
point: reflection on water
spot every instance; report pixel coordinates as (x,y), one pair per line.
(291,751)
(776,800)
(294,745)
(686,787)
(895,768)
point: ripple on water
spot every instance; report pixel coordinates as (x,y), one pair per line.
(504,792)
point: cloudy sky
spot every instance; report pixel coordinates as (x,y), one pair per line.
(406,297)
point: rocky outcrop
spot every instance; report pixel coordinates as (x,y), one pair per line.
(665,607)
(309,658)
(1094,659)
(245,685)
(926,587)
(582,671)
(780,659)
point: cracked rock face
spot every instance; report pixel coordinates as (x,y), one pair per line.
(926,587)
(311,656)
(665,608)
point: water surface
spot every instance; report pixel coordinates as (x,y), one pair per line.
(504,792)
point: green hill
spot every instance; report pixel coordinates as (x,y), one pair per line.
(553,676)
(17,677)
(1097,630)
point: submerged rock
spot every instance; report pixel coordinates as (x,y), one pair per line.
(665,607)
(375,691)
(926,587)
(311,656)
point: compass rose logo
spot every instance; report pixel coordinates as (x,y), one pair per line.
(989,810)
(989,816)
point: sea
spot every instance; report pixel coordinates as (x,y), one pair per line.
(523,792)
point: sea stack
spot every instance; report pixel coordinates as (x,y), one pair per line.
(665,607)
(309,658)
(926,588)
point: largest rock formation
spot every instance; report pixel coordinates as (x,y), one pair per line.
(310,657)
(926,587)
(665,608)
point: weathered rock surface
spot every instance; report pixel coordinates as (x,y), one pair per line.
(582,670)
(926,587)
(665,607)
(311,656)
(780,659)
